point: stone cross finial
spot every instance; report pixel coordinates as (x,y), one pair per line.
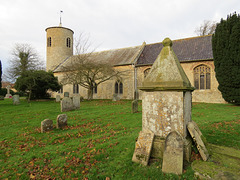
(8,89)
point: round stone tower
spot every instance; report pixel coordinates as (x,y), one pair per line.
(59,45)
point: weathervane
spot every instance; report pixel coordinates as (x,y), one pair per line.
(60,18)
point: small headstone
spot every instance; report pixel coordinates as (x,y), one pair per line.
(173,154)
(115,97)
(61,121)
(76,101)
(46,125)
(16,100)
(66,94)
(198,139)
(66,104)
(143,147)
(58,99)
(135,106)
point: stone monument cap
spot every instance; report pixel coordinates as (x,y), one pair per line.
(166,73)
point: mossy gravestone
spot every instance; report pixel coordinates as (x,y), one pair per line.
(173,154)
(61,121)
(143,147)
(16,100)
(135,106)
(46,125)
(66,104)
(58,99)
(198,139)
(76,101)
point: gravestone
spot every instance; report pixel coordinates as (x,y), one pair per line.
(66,94)
(61,121)
(58,99)
(46,125)
(76,101)
(8,95)
(16,100)
(198,139)
(135,106)
(66,104)
(115,97)
(173,154)
(143,147)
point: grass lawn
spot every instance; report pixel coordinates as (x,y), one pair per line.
(98,142)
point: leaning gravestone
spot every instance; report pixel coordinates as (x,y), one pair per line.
(16,100)
(66,94)
(61,121)
(58,99)
(173,154)
(66,104)
(46,125)
(135,106)
(143,147)
(198,139)
(76,101)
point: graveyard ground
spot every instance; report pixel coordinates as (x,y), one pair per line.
(98,142)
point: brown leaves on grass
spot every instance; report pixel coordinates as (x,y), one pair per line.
(222,126)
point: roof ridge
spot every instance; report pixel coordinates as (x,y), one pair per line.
(193,37)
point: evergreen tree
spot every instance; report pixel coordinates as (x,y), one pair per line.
(36,83)
(0,74)
(226,53)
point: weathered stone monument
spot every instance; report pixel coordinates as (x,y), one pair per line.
(173,154)
(61,121)
(198,139)
(46,125)
(143,147)
(58,99)
(76,101)
(166,101)
(16,100)
(66,104)
(134,106)
(8,95)
(115,97)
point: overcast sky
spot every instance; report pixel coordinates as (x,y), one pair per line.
(110,24)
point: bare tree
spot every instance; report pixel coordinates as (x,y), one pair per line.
(24,58)
(206,28)
(85,70)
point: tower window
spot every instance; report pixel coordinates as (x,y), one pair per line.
(49,41)
(68,42)
(202,78)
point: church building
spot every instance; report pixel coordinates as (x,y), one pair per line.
(195,56)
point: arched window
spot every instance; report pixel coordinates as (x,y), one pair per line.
(49,42)
(118,87)
(146,72)
(75,89)
(68,42)
(202,77)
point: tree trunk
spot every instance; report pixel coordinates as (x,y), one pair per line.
(29,96)
(90,94)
